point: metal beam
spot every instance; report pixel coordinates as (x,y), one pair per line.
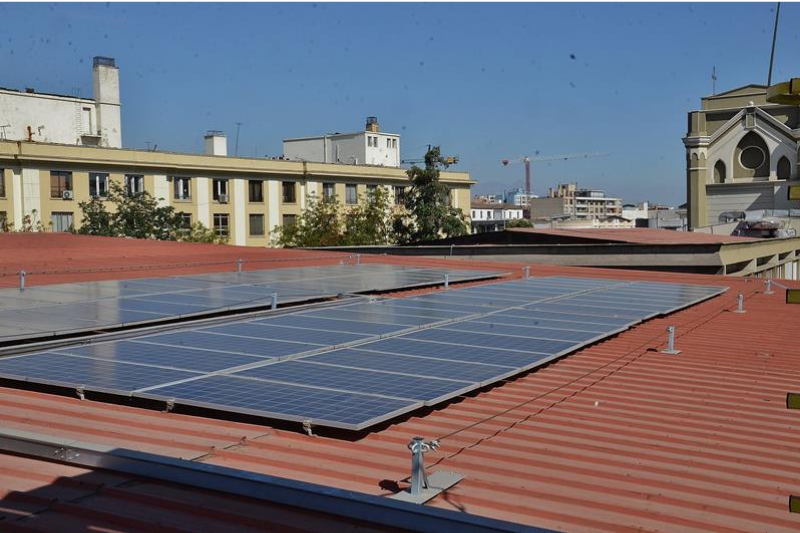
(381,512)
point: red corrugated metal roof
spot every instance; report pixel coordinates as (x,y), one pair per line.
(640,235)
(617,437)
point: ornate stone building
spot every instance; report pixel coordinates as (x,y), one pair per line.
(741,154)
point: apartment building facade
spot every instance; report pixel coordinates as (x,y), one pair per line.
(571,202)
(242,199)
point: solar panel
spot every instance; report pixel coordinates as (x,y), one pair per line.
(289,402)
(365,381)
(92,306)
(354,365)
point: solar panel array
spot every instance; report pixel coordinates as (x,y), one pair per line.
(352,366)
(58,309)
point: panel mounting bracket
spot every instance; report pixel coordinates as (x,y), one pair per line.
(424,487)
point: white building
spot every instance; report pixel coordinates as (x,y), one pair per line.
(492,217)
(635,212)
(518,197)
(52,118)
(368,147)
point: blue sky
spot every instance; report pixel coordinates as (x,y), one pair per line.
(484,81)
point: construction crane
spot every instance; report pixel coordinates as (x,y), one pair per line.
(539,158)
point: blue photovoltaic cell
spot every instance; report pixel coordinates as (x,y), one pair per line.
(523,318)
(230,344)
(412,365)
(581,309)
(330,324)
(94,373)
(453,298)
(159,308)
(441,308)
(169,356)
(414,307)
(579,318)
(381,317)
(469,354)
(356,380)
(291,402)
(263,331)
(498,326)
(499,342)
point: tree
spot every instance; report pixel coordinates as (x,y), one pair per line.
(140,216)
(370,223)
(429,213)
(519,223)
(325,222)
(319,225)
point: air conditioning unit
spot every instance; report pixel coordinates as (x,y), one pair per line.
(223,198)
(67,195)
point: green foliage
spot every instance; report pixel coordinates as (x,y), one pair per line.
(519,223)
(139,216)
(370,223)
(429,213)
(325,222)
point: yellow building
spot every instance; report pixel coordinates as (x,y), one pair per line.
(241,198)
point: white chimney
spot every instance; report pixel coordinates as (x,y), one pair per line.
(216,143)
(105,76)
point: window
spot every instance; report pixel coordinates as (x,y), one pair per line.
(3,221)
(219,190)
(134,184)
(98,184)
(351,194)
(183,188)
(221,224)
(394,143)
(289,196)
(186,220)
(372,190)
(60,181)
(2,183)
(388,143)
(255,190)
(328,190)
(62,222)
(399,195)
(369,140)
(289,220)
(256,225)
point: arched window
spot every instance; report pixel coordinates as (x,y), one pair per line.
(719,172)
(784,168)
(751,158)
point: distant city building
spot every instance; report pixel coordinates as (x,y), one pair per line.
(518,197)
(568,201)
(635,212)
(55,118)
(492,216)
(489,198)
(368,147)
(742,153)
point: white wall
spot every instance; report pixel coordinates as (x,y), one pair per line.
(52,119)
(63,119)
(349,149)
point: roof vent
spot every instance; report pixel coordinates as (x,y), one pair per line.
(100,61)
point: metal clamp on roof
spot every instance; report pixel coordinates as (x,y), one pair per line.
(423,488)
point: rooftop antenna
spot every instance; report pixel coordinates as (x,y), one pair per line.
(774,37)
(236,150)
(713,81)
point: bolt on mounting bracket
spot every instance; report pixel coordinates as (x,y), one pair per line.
(424,487)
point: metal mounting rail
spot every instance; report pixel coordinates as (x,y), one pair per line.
(383,512)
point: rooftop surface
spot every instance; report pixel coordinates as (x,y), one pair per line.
(617,437)
(639,235)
